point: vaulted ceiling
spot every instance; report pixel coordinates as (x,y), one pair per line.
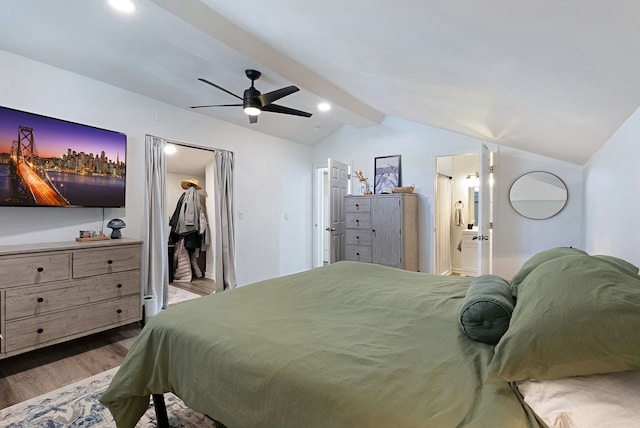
(555,78)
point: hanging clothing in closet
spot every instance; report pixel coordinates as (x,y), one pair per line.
(189,232)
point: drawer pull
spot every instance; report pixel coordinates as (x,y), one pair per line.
(40,300)
(357,237)
(357,221)
(119,311)
(357,205)
(40,331)
(357,254)
(40,269)
(119,285)
(109,261)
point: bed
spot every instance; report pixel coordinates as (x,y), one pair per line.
(346,345)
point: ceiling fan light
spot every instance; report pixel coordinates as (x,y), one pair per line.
(252,111)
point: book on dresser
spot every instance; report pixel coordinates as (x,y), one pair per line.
(54,292)
(382,229)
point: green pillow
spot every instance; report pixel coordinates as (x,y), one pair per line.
(537,260)
(486,311)
(576,315)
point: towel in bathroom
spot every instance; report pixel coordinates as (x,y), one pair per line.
(459,219)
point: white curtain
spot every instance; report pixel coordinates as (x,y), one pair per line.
(443,226)
(223,239)
(155,274)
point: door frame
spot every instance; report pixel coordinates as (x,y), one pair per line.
(318,215)
(318,207)
(432,234)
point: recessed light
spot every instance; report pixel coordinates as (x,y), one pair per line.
(324,106)
(123,5)
(169,149)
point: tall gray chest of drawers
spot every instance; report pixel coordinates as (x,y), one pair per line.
(382,229)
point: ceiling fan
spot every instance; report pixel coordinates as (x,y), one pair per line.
(253,102)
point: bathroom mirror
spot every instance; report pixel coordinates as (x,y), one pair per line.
(538,195)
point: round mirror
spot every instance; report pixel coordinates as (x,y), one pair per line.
(538,195)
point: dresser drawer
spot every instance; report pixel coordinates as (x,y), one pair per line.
(357,220)
(100,261)
(34,269)
(36,331)
(358,237)
(362,205)
(30,301)
(359,253)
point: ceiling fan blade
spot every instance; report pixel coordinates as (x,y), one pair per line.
(219,105)
(270,97)
(253,119)
(219,87)
(274,108)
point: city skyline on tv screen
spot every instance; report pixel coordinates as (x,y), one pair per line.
(52,162)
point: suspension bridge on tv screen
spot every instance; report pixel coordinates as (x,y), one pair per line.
(31,172)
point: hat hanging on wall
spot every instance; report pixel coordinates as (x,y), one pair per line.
(190,182)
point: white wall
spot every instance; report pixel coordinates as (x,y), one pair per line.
(611,192)
(272,176)
(516,237)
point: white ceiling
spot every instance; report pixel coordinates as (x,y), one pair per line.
(552,77)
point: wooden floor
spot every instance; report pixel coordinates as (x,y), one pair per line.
(37,372)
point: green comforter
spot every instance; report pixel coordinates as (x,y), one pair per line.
(347,345)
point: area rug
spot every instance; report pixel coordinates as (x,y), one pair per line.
(177,295)
(77,405)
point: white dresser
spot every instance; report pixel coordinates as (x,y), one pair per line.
(53,292)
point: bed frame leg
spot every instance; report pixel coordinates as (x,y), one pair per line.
(161,410)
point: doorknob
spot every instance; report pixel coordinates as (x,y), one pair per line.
(330,229)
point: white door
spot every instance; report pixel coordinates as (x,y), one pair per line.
(338,183)
(485,212)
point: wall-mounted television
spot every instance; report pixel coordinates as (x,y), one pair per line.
(52,162)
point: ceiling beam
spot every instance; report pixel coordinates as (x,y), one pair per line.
(201,16)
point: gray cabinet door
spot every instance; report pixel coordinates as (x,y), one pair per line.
(386,227)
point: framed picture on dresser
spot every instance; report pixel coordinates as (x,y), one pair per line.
(388,173)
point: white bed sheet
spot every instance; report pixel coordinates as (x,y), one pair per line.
(604,400)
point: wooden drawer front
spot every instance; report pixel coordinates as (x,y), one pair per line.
(359,253)
(34,269)
(39,330)
(30,301)
(358,237)
(357,220)
(362,205)
(98,262)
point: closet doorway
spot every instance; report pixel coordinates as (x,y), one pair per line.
(187,162)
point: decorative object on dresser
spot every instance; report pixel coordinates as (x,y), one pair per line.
(382,229)
(115,225)
(54,292)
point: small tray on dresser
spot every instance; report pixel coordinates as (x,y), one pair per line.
(95,238)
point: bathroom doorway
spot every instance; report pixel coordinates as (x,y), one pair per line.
(456,214)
